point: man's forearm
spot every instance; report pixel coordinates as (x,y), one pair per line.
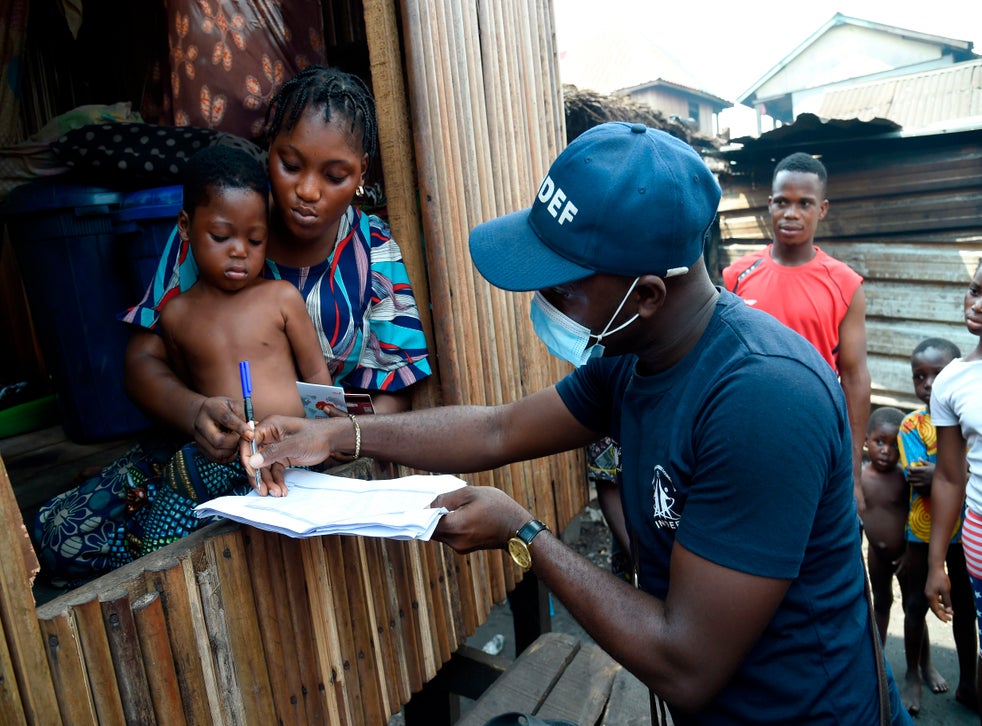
(856,388)
(473,438)
(441,439)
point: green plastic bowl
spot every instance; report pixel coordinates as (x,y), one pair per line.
(29,416)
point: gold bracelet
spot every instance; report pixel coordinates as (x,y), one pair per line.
(357,436)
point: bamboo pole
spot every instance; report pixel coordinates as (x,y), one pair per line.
(420,58)
(377,580)
(99,668)
(226,555)
(174,581)
(312,685)
(326,626)
(399,557)
(158,660)
(124,644)
(227,692)
(428,629)
(68,668)
(364,653)
(263,556)
(395,140)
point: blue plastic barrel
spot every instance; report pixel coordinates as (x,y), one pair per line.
(145,221)
(77,281)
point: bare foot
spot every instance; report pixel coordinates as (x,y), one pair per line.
(910,694)
(934,680)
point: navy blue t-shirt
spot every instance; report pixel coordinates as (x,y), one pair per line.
(742,452)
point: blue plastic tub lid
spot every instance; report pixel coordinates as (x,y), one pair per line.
(46,195)
(155,203)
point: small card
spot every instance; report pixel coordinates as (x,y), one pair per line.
(359,403)
(317,398)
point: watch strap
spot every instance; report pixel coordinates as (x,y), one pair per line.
(528,532)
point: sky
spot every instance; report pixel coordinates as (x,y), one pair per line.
(725,47)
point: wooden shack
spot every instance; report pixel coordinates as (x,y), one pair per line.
(905,213)
(233,625)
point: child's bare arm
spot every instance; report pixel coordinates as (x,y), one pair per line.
(920,474)
(300,332)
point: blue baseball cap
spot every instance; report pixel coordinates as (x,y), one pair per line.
(622,199)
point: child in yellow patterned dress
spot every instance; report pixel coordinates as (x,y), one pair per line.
(918,452)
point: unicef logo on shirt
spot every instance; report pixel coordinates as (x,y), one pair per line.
(663,499)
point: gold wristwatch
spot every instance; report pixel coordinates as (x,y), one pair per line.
(518,546)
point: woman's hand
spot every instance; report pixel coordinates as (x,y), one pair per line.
(218,428)
(938,591)
(480,518)
(283,441)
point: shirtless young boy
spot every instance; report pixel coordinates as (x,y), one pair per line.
(232,313)
(885,492)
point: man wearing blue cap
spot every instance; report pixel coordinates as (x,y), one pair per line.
(737,464)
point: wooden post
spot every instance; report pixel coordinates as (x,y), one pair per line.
(28,689)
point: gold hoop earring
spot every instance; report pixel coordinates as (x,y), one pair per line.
(360,191)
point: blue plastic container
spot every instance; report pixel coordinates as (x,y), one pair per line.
(76,283)
(144,223)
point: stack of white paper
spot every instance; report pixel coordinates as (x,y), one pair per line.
(319,504)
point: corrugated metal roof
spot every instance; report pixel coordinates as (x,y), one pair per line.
(915,101)
(958,47)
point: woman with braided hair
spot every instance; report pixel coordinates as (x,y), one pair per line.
(321,133)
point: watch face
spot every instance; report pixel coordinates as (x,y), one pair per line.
(519,552)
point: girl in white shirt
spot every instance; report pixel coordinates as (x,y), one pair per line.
(956,412)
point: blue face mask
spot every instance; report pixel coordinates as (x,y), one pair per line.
(567,339)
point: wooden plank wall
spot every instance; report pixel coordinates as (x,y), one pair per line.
(906,214)
(487,119)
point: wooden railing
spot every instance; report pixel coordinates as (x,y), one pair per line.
(233,625)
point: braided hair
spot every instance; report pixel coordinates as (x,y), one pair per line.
(342,96)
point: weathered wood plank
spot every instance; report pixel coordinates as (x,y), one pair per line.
(124,644)
(894,338)
(629,703)
(45,463)
(885,259)
(913,304)
(527,683)
(158,658)
(68,669)
(98,659)
(581,694)
(174,580)
(18,623)
(851,218)
(890,382)
(914,173)
(235,604)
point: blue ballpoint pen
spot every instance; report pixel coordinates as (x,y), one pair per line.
(245,376)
